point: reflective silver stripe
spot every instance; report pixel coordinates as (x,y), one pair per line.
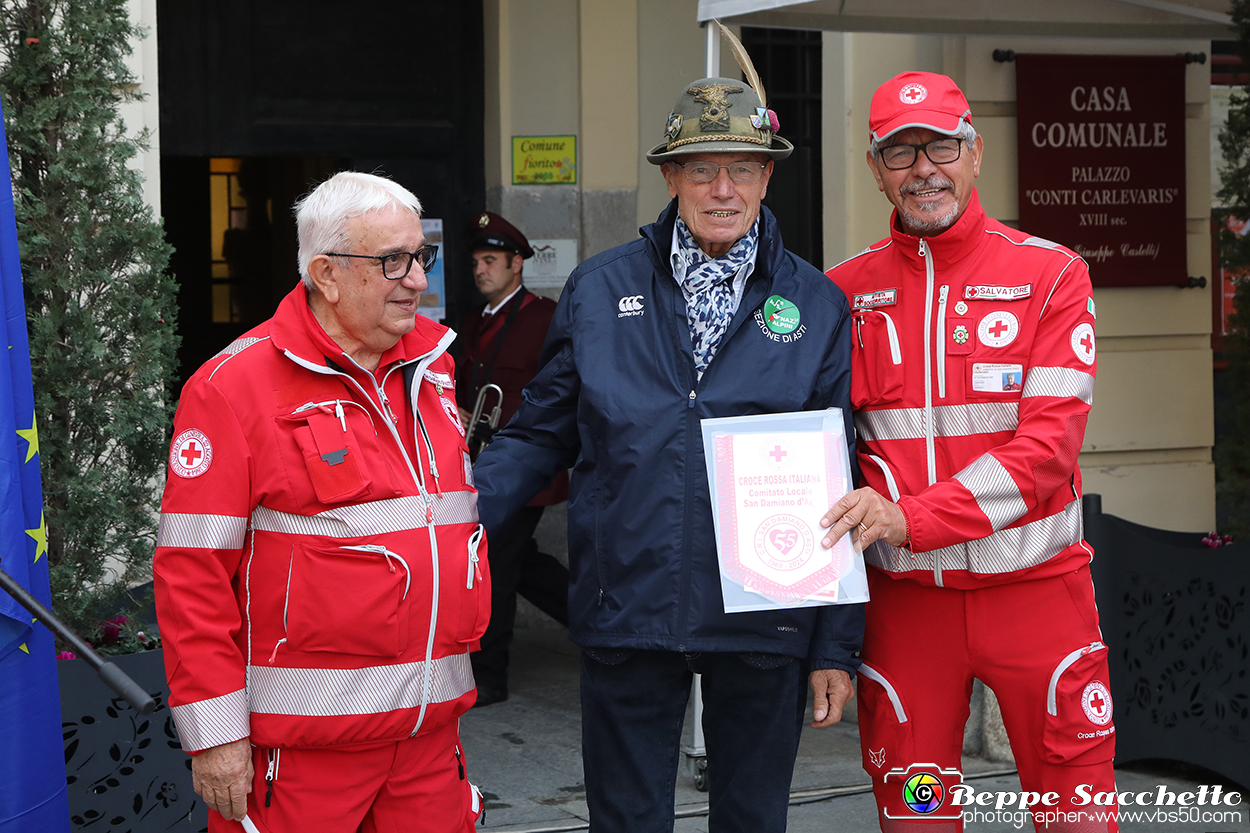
(1039,241)
(873,674)
(210,532)
(232,350)
(949,421)
(1059,381)
(239,345)
(375,518)
(1064,664)
(1015,548)
(213,722)
(996,492)
(327,692)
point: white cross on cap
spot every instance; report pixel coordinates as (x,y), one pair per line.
(913,93)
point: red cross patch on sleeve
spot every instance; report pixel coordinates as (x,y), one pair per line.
(191,454)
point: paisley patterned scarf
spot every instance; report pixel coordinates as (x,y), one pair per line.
(708,289)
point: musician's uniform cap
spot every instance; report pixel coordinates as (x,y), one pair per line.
(490,231)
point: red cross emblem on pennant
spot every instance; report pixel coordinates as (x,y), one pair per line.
(190,454)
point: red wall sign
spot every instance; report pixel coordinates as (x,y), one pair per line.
(1102,162)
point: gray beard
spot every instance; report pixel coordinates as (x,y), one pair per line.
(927,222)
(937,224)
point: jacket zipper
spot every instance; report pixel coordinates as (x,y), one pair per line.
(286,603)
(1064,664)
(271,772)
(378,549)
(418,476)
(475,541)
(337,410)
(896,351)
(941,342)
(930,453)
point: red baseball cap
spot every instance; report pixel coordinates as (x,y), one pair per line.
(918,99)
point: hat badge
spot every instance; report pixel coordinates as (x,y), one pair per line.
(673,126)
(913,93)
(483,221)
(716,104)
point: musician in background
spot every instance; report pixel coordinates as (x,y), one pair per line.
(502,340)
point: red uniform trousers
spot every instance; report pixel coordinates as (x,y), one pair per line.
(414,784)
(1036,644)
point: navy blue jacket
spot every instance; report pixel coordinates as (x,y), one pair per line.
(618,401)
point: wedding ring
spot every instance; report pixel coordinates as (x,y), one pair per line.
(861,526)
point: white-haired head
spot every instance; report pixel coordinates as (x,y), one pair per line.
(322,215)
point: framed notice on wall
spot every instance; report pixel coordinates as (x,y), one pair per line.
(544,160)
(1102,162)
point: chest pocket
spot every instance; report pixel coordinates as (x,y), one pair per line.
(340,451)
(877,368)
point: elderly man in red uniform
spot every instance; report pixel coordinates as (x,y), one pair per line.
(320,571)
(971,516)
(502,342)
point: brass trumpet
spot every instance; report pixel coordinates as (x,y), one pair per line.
(492,422)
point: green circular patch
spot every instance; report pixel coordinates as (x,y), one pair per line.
(781,315)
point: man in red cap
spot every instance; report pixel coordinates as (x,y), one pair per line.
(503,339)
(971,516)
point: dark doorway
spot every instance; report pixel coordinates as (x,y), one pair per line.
(261,99)
(788,61)
(230,223)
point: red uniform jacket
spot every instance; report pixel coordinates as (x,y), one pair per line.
(320,573)
(985,470)
(515,366)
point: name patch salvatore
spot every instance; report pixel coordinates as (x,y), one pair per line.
(998,293)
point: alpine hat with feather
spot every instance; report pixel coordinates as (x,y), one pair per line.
(721,115)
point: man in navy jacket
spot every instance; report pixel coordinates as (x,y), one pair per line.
(648,339)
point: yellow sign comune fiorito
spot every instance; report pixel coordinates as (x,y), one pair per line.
(544,160)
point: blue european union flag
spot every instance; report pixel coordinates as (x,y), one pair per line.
(33,796)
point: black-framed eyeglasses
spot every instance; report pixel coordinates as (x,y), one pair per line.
(708,171)
(940,152)
(397,265)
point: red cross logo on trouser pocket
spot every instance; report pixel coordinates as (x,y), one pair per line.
(1096,703)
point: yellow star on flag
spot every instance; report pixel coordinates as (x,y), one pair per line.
(23,645)
(31,436)
(41,538)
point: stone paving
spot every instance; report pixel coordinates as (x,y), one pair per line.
(525,754)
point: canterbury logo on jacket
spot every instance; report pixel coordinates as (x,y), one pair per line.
(618,400)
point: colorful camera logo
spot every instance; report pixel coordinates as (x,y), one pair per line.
(921,790)
(923,793)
